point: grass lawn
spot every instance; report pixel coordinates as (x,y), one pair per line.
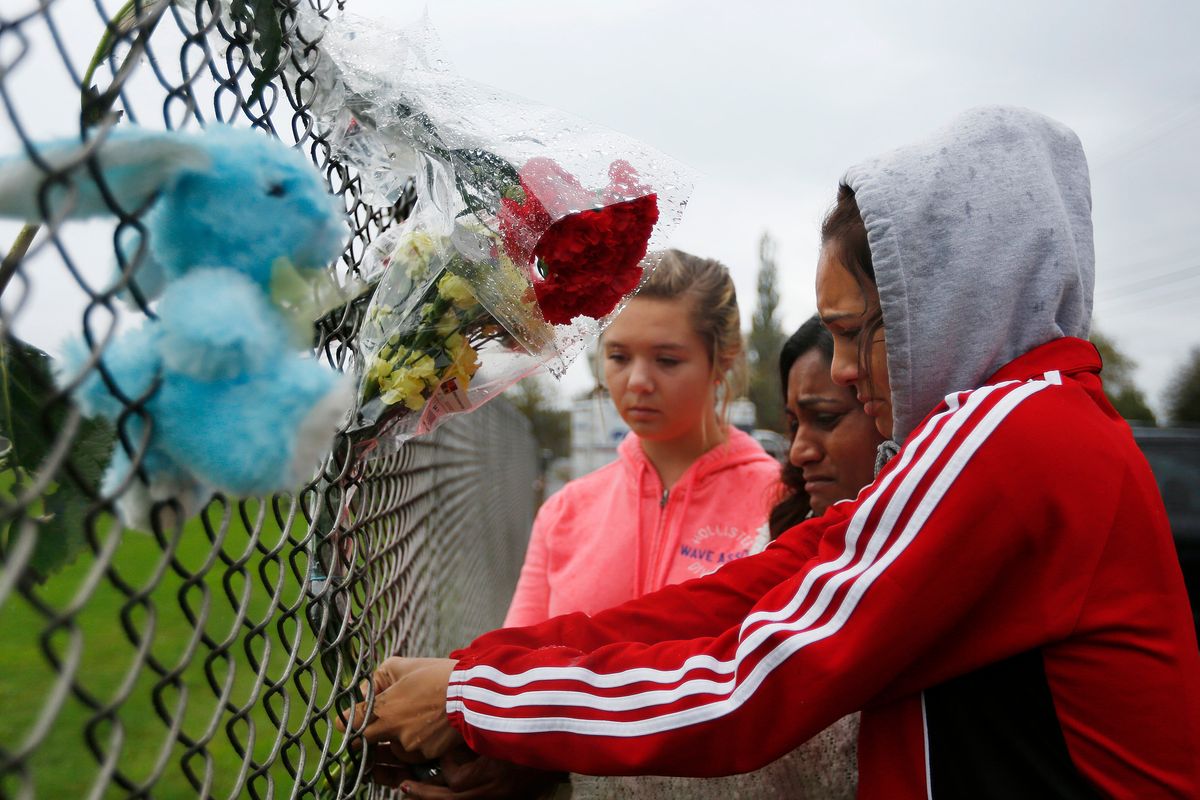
(133,732)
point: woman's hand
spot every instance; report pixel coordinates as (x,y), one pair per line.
(409,712)
(467,776)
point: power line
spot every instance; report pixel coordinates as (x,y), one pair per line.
(1142,136)
(1149,284)
(1156,306)
(1184,251)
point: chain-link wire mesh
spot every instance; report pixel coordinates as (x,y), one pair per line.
(209,658)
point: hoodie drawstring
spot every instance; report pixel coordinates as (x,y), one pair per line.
(639,578)
(887,450)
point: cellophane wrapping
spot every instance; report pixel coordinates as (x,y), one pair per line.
(530,230)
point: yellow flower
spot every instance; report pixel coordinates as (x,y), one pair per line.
(513,285)
(405,389)
(408,382)
(422,367)
(379,369)
(415,250)
(379,312)
(447,325)
(509,276)
(464,361)
(456,290)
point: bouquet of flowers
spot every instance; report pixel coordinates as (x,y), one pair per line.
(529,231)
(427,334)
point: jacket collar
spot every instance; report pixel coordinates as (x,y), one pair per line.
(739,448)
(1067,355)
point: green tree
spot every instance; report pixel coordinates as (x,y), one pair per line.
(551,426)
(1182,398)
(766,339)
(1123,393)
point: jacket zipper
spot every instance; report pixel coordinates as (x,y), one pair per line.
(656,555)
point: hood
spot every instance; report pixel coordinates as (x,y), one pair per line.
(739,449)
(981,238)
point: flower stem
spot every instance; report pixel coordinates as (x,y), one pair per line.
(106,43)
(16,253)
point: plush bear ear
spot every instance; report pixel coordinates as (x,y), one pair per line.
(135,166)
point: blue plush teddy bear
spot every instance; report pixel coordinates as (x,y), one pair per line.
(232,400)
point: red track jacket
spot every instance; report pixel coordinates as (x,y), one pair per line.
(1003,603)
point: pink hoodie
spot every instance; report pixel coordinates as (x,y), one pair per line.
(614,534)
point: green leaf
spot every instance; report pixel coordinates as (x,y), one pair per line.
(62,536)
(93,105)
(487,167)
(26,391)
(26,386)
(266,37)
(135,13)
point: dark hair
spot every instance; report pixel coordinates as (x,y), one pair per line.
(812,335)
(793,506)
(845,232)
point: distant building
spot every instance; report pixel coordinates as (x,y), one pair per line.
(596,430)
(775,444)
(742,414)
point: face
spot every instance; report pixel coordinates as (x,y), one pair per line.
(833,440)
(845,307)
(658,370)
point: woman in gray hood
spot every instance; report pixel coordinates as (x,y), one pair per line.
(1003,602)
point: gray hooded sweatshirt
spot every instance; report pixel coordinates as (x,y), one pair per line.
(981,238)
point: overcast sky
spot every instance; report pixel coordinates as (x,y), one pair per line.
(770,101)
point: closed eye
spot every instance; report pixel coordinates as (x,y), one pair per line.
(827,421)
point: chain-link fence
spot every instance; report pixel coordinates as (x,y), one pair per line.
(208,658)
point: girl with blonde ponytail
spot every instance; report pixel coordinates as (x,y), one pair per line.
(660,513)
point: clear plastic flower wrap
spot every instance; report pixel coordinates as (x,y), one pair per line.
(431,347)
(530,229)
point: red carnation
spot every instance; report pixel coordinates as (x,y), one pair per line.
(549,191)
(593,258)
(590,258)
(624,183)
